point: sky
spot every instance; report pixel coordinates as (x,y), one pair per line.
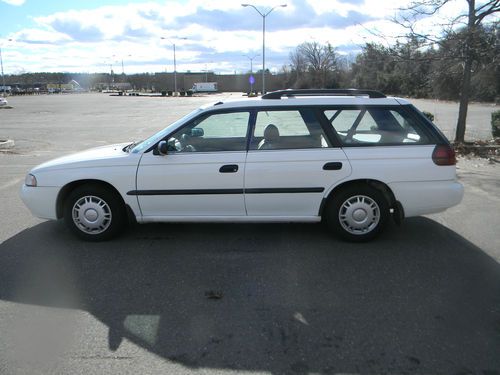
(216,35)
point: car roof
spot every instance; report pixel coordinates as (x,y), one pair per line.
(305,101)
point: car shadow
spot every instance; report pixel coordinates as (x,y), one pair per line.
(282,298)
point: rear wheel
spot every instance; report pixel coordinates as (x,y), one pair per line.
(357,213)
(94,213)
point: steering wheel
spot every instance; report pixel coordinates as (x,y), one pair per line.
(181,144)
(185,143)
(174,144)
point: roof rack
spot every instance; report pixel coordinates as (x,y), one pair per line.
(323,92)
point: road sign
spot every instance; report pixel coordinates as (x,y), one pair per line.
(251,79)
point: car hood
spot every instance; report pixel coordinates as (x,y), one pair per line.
(99,156)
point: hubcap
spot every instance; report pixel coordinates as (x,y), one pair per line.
(359,214)
(91,214)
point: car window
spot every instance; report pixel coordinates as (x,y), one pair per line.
(388,126)
(217,132)
(144,145)
(275,129)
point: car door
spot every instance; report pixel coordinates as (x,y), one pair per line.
(391,144)
(202,173)
(291,164)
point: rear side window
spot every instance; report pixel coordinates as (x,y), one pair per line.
(381,126)
(288,129)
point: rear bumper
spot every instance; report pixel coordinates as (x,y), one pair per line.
(420,198)
(40,200)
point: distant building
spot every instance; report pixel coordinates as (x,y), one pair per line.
(118,86)
(122,86)
(64,87)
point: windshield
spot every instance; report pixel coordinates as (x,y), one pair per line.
(144,145)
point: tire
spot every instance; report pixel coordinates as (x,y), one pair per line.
(357,213)
(94,213)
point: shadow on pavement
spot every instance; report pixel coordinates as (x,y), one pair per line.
(283,298)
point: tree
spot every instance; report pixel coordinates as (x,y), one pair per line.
(447,65)
(401,69)
(317,60)
(469,48)
(372,68)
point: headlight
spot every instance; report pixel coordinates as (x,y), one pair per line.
(30,180)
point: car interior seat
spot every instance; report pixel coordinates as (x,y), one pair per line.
(271,138)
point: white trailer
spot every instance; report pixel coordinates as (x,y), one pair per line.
(204,87)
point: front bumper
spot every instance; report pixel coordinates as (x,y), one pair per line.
(41,200)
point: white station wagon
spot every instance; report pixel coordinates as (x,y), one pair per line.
(351,158)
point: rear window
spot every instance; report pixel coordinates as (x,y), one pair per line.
(381,126)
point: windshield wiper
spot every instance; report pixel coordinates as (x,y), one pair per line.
(131,146)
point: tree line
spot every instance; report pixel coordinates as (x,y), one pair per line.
(408,68)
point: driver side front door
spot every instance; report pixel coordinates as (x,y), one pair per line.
(202,174)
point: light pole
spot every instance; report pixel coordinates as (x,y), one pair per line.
(3,77)
(109,61)
(206,71)
(175,62)
(264,15)
(1,65)
(251,69)
(123,69)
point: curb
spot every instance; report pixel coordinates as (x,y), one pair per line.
(6,144)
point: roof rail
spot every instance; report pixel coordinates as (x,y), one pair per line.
(323,92)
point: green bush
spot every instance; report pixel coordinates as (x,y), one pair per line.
(429,115)
(495,124)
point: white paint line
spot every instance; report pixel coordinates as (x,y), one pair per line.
(10,183)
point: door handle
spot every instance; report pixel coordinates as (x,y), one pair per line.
(332,166)
(229,168)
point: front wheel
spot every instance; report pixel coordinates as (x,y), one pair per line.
(94,213)
(357,213)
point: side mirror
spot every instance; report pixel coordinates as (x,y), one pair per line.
(162,148)
(197,132)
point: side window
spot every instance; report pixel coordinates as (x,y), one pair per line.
(217,132)
(383,126)
(291,129)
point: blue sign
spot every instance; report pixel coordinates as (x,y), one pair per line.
(251,79)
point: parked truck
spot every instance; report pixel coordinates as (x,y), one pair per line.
(204,87)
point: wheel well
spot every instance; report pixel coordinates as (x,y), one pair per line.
(379,185)
(67,189)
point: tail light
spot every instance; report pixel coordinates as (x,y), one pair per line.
(444,155)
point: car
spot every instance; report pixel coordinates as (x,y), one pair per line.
(3,101)
(351,158)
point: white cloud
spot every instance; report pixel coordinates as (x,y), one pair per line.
(219,32)
(14,2)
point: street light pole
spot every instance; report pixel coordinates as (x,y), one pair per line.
(263,15)
(175,62)
(1,65)
(3,77)
(251,69)
(175,72)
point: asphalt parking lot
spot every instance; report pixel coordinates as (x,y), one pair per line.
(424,298)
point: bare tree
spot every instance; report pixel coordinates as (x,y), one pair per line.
(318,60)
(298,67)
(477,14)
